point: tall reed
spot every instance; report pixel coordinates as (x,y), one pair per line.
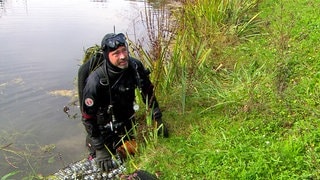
(185,41)
(205,28)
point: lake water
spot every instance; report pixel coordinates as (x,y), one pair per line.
(41,45)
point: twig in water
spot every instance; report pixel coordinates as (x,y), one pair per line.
(6,158)
(5,146)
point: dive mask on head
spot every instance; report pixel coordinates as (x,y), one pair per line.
(113,41)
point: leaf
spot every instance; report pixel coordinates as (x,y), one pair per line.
(5,177)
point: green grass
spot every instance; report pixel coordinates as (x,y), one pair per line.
(241,93)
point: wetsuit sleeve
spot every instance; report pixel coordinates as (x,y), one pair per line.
(89,112)
(83,73)
(90,101)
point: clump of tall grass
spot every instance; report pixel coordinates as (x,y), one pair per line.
(155,54)
(186,41)
(206,28)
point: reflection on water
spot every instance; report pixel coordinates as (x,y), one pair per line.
(2,8)
(13,7)
(42,43)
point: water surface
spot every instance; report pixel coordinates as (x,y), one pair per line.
(41,44)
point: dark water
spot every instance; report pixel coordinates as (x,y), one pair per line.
(41,44)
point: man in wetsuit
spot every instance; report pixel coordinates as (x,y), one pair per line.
(108,99)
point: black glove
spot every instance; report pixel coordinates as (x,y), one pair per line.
(162,128)
(157,115)
(104,160)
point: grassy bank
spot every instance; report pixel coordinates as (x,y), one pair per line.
(241,92)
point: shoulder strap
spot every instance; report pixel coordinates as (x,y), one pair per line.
(135,66)
(102,73)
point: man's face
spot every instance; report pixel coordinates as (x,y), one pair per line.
(119,57)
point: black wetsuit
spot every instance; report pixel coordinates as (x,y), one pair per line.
(108,96)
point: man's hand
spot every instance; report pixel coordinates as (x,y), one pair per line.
(104,160)
(162,128)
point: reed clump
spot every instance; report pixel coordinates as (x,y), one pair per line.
(190,41)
